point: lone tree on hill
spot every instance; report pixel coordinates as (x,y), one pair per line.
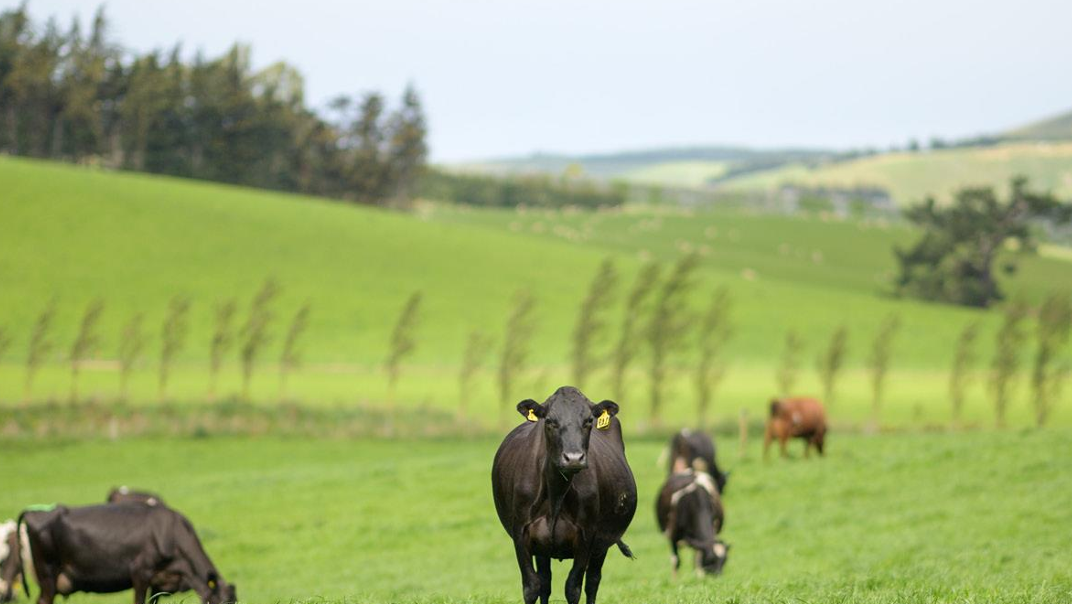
(954,260)
(591,324)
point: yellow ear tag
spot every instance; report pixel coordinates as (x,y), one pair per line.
(603,421)
(212,585)
(532,416)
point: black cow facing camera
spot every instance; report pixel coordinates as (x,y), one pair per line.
(563,489)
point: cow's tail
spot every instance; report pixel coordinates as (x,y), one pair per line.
(22,550)
(628,553)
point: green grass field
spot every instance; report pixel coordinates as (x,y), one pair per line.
(74,234)
(948,517)
(911,177)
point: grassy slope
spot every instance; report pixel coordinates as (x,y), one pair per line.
(136,240)
(1058,127)
(912,176)
(976,517)
(694,174)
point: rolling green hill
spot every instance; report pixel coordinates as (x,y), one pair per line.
(1056,128)
(910,177)
(75,234)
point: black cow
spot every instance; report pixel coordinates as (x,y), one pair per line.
(109,548)
(689,509)
(128,495)
(564,490)
(691,450)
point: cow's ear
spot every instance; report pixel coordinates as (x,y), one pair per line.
(531,410)
(610,407)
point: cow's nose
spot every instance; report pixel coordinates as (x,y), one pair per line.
(573,459)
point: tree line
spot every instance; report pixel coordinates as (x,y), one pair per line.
(74,94)
(658,324)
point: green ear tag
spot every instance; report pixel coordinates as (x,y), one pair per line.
(532,416)
(603,421)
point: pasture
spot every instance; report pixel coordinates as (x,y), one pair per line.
(942,517)
(74,234)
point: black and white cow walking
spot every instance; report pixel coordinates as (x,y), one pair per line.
(689,510)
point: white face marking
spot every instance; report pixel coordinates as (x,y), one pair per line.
(124,489)
(720,550)
(5,529)
(152,501)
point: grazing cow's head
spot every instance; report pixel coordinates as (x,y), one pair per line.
(9,561)
(221,592)
(567,418)
(775,407)
(714,557)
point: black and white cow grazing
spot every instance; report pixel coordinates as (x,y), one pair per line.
(109,548)
(692,450)
(689,509)
(10,566)
(127,495)
(563,489)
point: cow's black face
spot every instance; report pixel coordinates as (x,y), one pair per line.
(714,559)
(567,419)
(222,592)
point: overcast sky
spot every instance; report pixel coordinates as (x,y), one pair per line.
(506,77)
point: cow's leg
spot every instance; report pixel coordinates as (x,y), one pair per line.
(783,440)
(530,581)
(675,559)
(593,575)
(576,576)
(543,569)
(46,580)
(819,442)
(807,447)
(141,588)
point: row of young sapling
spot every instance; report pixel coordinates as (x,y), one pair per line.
(250,338)
(657,325)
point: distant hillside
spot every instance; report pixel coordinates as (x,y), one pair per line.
(624,164)
(910,177)
(1057,128)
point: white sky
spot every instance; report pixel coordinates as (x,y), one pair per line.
(505,77)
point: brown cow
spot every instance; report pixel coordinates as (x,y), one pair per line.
(797,418)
